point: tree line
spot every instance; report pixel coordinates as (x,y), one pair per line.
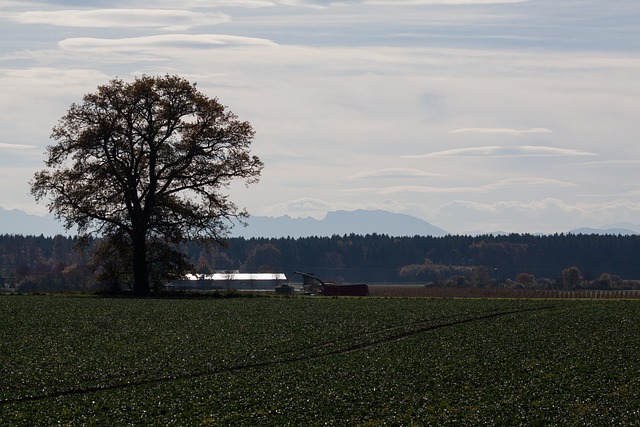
(560,261)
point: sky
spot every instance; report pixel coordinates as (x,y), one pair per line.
(474,115)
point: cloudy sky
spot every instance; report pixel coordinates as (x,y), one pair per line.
(511,115)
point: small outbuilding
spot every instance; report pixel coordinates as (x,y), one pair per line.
(285,290)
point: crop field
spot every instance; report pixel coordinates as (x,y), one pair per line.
(318,361)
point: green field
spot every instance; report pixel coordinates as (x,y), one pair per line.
(318,361)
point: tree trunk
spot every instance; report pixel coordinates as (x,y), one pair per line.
(140,270)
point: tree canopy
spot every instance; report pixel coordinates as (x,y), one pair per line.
(145,164)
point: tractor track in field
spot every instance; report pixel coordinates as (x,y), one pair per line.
(288,356)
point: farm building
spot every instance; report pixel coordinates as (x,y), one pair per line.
(232,280)
(313,285)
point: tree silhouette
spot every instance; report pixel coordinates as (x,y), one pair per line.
(147,161)
(571,277)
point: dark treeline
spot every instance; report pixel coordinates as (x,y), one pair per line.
(41,263)
(561,261)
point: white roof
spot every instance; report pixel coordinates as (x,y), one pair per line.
(221,277)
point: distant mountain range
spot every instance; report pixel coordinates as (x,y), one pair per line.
(335,223)
(340,223)
(20,222)
(605,230)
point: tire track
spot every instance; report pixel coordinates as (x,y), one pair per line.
(290,359)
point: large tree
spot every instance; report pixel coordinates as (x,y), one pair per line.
(147,161)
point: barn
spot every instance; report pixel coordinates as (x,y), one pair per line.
(231,280)
(314,285)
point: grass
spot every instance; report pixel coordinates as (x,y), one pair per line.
(318,361)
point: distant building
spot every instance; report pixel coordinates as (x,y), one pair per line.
(231,280)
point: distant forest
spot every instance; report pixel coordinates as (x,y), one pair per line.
(561,261)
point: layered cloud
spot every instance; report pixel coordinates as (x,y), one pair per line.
(11,147)
(165,19)
(250,4)
(547,215)
(505,151)
(503,131)
(303,207)
(440,2)
(620,163)
(394,173)
(159,42)
(519,183)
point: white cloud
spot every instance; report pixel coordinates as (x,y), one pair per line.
(527,181)
(4,146)
(505,131)
(19,3)
(612,163)
(50,92)
(250,4)
(14,181)
(50,78)
(390,173)
(440,2)
(505,151)
(158,42)
(166,19)
(492,187)
(509,215)
(299,208)
(548,215)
